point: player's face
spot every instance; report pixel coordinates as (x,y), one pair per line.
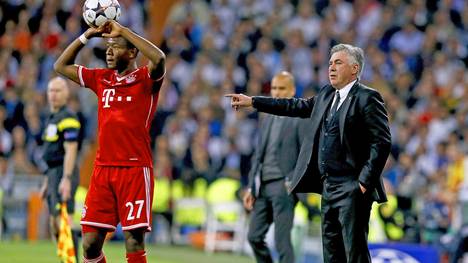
(57,94)
(282,87)
(340,70)
(118,54)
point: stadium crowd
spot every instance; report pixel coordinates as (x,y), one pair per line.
(416,56)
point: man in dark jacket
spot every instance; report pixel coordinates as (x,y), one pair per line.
(343,154)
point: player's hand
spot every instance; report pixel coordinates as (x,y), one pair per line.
(239,100)
(65,188)
(95,31)
(113,29)
(248,200)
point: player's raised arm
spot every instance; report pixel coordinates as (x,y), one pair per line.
(65,63)
(156,57)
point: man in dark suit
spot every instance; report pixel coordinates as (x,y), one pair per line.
(342,157)
(272,167)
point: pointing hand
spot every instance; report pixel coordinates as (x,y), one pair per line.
(239,100)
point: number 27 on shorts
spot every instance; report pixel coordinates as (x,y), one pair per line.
(131,215)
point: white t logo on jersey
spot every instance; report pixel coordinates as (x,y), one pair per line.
(108,95)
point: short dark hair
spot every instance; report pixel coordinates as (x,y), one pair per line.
(129,44)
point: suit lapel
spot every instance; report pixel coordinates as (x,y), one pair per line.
(343,113)
(345,108)
(319,109)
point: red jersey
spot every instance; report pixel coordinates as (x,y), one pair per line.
(126,105)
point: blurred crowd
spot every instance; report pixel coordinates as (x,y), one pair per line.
(416,56)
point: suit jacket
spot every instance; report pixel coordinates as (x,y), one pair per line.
(364,133)
(291,135)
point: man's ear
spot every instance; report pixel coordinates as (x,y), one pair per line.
(355,69)
(293,92)
(133,53)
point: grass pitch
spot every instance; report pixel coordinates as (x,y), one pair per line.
(45,252)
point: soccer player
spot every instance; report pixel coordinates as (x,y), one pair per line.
(121,188)
(61,139)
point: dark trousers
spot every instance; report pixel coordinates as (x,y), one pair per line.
(345,222)
(273,205)
(54,199)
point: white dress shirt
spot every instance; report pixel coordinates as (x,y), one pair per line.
(343,93)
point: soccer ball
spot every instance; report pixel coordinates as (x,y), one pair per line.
(97,12)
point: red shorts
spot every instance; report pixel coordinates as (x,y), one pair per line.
(119,194)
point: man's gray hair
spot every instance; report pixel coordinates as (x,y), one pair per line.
(356,54)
